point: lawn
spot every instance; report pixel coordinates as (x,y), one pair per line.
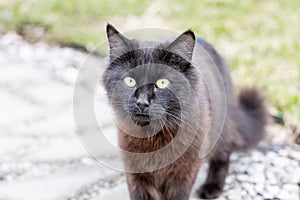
(259,39)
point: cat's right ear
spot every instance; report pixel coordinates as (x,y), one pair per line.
(183,45)
(118,44)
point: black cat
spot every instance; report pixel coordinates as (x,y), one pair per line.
(165,108)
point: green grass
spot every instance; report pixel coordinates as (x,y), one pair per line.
(259,39)
(68,20)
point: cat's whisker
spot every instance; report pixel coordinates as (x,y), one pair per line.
(180,118)
(185,122)
(165,126)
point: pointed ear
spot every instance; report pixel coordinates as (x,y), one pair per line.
(183,45)
(118,44)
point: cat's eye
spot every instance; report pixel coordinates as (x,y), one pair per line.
(162,83)
(130,81)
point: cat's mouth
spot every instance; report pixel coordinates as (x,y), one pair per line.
(141,119)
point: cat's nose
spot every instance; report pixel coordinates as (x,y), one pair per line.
(142,102)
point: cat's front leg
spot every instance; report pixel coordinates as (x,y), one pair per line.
(178,186)
(218,168)
(141,187)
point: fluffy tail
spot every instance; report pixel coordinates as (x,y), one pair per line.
(251,118)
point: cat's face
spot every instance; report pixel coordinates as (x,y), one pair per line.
(148,81)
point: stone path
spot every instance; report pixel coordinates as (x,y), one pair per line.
(42,158)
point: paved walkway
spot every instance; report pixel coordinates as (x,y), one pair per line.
(41,157)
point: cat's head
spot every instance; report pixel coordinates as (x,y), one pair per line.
(148,83)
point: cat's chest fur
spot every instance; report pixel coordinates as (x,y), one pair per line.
(145,144)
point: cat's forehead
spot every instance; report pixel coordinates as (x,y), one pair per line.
(148,65)
(149,44)
(147,52)
(151,72)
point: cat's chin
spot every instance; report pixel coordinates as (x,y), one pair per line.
(142,124)
(141,120)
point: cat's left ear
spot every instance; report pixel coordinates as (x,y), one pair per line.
(118,44)
(183,45)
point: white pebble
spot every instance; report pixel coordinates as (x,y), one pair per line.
(283,194)
(259,177)
(259,187)
(290,187)
(271,178)
(249,188)
(234,194)
(281,162)
(243,178)
(257,156)
(295,155)
(273,190)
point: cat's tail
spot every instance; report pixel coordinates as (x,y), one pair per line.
(251,118)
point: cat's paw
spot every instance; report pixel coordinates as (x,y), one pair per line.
(210,191)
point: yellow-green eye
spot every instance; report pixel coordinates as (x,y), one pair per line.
(162,83)
(129,81)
